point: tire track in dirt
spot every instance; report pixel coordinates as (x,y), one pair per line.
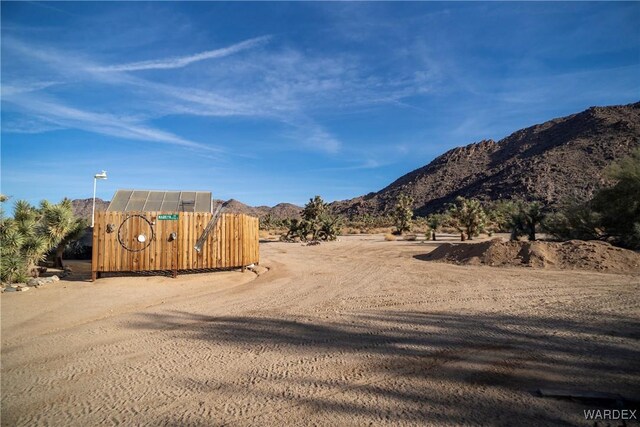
(346,333)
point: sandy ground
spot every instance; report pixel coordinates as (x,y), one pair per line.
(356,332)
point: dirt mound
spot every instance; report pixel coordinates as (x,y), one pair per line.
(571,255)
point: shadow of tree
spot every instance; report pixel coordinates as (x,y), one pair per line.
(421,361)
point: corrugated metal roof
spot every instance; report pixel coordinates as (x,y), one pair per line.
(166,201)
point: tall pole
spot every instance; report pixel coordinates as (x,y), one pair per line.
(93,210)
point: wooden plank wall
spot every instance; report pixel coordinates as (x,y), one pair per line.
(232,243)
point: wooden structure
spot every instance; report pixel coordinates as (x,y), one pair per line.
(165,241)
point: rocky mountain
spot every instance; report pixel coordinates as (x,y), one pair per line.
(285,210)
(279,211)
(549,162)
(82,208)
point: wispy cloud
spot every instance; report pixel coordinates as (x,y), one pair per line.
(56,113)
(284,85)
(179,62)
(24,87)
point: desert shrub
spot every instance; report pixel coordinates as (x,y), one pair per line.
(317,223)
(61,227)
(523,218)
(263,234)
(435,222)
(421,225)
(403,213)
(574,220)
(266,222)
(468,216)
(411,237)
(26,238)
(613,214)
(389,237)
(618,207)
(500,214)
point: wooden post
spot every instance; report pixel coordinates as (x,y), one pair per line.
(94,276)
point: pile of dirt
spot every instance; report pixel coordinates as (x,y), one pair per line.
(570,255)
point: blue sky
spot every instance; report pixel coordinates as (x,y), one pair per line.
(270,102)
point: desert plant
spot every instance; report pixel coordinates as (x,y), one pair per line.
(420,224)
(435,221)
(521,218)
(618,206)
(500,215)
(317,223)
(574,220)
(61,227)
(613,214)
(21,244)
(468,217)
(265,222)
(26,238)
(367,222)
(389,237)
(403,213)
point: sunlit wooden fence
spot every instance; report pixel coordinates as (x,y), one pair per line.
(164,241)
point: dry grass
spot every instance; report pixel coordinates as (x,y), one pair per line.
(264,234)
(389,237)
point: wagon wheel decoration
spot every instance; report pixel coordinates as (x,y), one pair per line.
(136,233)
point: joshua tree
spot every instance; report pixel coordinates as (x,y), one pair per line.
(314,209)
(468,215)
(317,222)
(23,244)
(61,227)
(31,233)
(435,221)
(403,213)
(529,216)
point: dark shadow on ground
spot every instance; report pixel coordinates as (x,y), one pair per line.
(499,352)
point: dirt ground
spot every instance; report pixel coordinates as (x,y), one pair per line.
(355,332)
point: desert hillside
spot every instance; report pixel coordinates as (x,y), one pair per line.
(564,157)
(83,207)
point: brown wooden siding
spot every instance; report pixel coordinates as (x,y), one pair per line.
(233,242)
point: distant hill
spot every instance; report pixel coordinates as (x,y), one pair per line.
(549,162)
(279,211)
(82,208)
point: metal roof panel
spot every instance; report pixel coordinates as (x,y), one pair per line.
(157,200)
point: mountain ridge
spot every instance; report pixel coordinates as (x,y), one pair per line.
(561,158)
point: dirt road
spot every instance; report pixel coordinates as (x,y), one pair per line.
(356,332)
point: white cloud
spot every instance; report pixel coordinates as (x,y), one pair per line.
(179,62)
(50,111)
(283,85)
